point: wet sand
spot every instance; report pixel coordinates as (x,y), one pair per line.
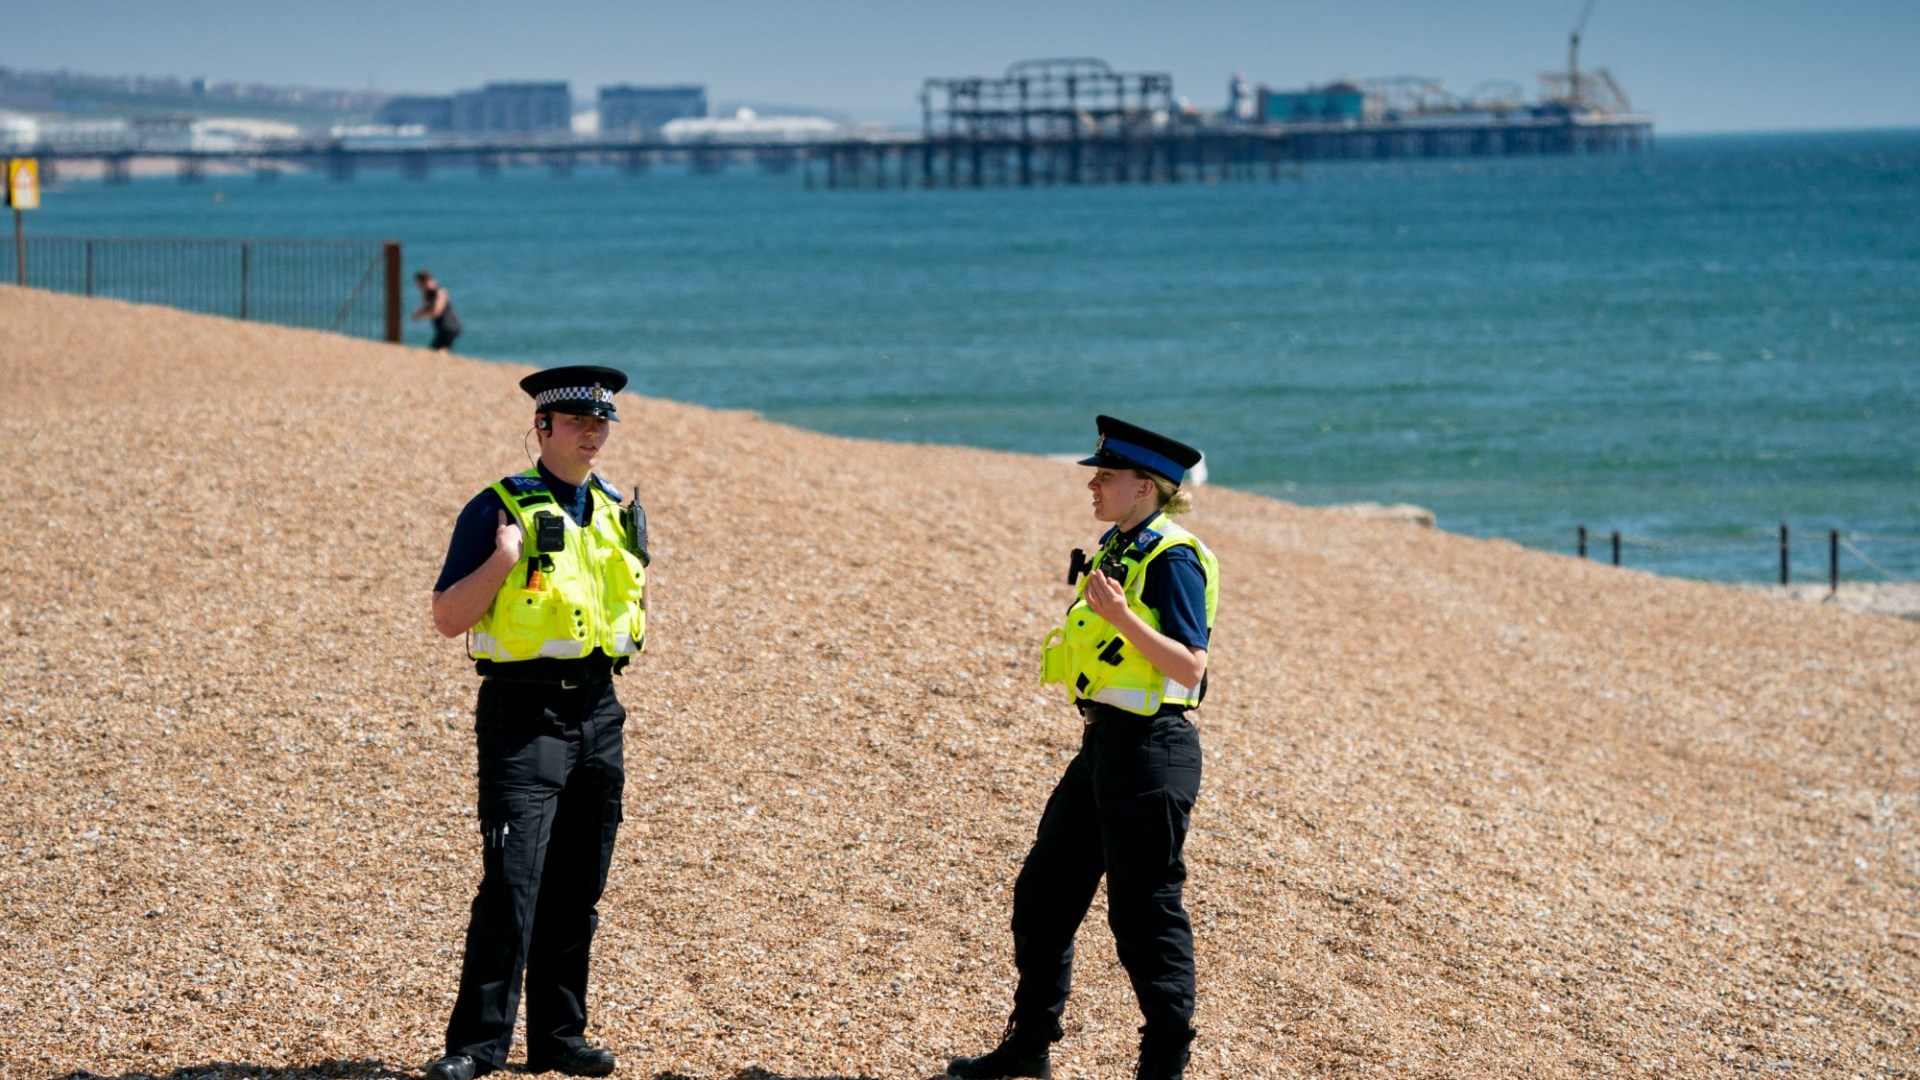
(1470,810)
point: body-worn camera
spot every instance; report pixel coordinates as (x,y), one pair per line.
(1110,564)
(1078,566)
(549,533)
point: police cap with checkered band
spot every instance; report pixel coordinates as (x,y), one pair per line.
(580,389)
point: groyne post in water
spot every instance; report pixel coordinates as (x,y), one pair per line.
(390,256)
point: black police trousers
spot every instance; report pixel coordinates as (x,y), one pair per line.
(551,776)
(1122,810)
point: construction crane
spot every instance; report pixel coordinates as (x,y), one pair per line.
(1578,91)
(1576,96)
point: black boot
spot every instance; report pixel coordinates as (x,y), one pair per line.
(1164,1056)
(1023,1052)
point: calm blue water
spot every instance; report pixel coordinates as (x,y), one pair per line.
(1692,345)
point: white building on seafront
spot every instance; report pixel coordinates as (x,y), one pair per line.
(747,126)
(18,132)
(22,134)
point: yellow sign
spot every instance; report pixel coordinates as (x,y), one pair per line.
(23,183)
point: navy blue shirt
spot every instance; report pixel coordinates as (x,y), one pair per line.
(473,533)
(1176,588)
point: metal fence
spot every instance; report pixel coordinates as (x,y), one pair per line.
(343,286)
(1778,545)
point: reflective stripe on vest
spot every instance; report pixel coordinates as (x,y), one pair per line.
(1096,663)
(590,594)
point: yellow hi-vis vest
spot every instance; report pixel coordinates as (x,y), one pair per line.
(1093,659)
(564,604)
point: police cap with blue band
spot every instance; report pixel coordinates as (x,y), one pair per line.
(580,389)
(1129,446)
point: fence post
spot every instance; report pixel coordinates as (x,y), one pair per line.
(1583,541)
(393,291)
(89,267)
(1833,561)
(246,272)
(1784,575)
(1616,547)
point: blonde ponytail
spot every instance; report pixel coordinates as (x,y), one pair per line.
(1173,500)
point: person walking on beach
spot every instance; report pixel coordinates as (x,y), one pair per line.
(435,304)
(545,575)
(1132,654)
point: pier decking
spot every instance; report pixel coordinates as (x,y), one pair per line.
(938,161)
(1199,154)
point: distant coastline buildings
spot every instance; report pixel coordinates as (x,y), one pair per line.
(644,110)
(518,107)
(428,112)
(1085,121)
(514,106)
(537,107)
(21,133)
(59,92)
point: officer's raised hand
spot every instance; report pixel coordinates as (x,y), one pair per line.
(458,606)
(1105,598)
(507,539)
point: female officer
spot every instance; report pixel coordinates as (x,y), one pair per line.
(1132,654)
(544,577)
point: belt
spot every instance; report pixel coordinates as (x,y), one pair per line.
(558,684)
(559,674)
(1093,712)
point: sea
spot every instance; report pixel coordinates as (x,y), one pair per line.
(1690,346)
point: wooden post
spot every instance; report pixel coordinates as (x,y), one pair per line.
(246,271)
(1784,573)
(393,290)
(1833,561)
(1616,547)
(20,244)
(1583,541)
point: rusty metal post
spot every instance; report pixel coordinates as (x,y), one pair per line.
(1833,561)
(393,270)
(1784,571)
(1583,541)
(1616,547)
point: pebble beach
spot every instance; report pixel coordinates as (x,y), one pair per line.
(1469,809)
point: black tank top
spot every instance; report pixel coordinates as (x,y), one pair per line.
(447,322)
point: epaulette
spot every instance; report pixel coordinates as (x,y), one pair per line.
(611,491)
(527,490)
(1145,541)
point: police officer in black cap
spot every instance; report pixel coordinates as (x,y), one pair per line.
(1132,657)
(545,576)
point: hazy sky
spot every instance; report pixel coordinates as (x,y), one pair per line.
(1698,65)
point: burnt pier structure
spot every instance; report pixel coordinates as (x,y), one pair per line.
(1062,122)
(1077,121)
